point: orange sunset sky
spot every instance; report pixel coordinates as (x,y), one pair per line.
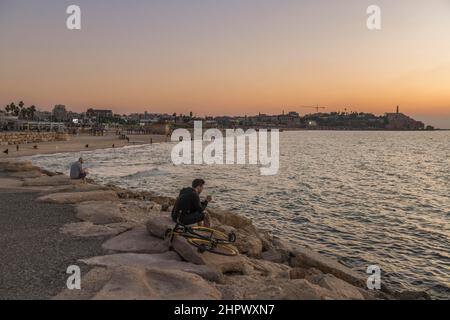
(228,57)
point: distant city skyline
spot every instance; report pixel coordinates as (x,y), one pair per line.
(228,57)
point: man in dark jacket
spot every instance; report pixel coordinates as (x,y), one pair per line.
(188,208)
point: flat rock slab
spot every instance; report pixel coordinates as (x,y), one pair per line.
(77,197)
(226,264)
(16,166)
(88,229)
(270,269)
(82,187)
(136,240)
(99,212)
(139,211)
(131,283)
(91,283)
(27,174)
(342,289)
(307,258)
(8,183)
(57,180)
(169,260)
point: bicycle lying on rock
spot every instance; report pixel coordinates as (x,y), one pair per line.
(205,239)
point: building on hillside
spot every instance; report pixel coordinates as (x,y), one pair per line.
(400,121)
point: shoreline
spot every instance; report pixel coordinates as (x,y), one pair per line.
(131,225)
(79,143)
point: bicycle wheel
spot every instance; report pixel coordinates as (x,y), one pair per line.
(209,233)
(219,248)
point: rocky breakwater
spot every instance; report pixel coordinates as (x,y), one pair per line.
(141,264)
(12,138)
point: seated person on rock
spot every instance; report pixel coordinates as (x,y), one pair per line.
(188,208)
(77,171)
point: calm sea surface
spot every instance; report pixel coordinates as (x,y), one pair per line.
(363,197)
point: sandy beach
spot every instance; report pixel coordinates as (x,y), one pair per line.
(78,143)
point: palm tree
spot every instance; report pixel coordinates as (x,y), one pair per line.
(32,111)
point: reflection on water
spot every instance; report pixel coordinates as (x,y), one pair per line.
(363,197)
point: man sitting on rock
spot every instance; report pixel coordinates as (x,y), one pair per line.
(77,171)
(188,209)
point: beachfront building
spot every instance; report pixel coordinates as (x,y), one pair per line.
(99,114)
(59,113)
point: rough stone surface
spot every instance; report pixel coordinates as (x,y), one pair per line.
(340,288)
(57,180)
(229,218)
(27,174)
(306,258)
(77,197)
(99,212)
(302,273)
(91,283)
(77,187)
(158,224)
(88,229)
(186,250)
(270,269)
(131,283)
(249,244)
(136,240)
(227,264)
(138,211)
(16,166)
(168,260)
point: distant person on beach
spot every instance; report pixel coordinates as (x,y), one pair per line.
(188,208)
(77,171)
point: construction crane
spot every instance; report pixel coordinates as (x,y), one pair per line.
(314,107)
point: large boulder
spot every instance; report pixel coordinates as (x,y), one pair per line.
(88,229)
(306,258)
(139,211)
(248,242)
(248,238)
(227,264)
(301,289)
(131,283)
(340,288)
(270,269)
(168,261)
(77,197)
(256,287)
(99,212)
(136,240)
(303,273)
(229,218)
(186,250)
(158,224)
